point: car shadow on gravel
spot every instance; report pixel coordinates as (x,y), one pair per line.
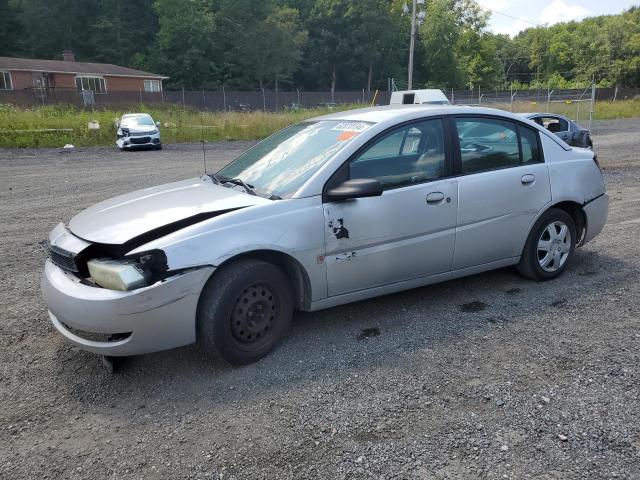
(351,339)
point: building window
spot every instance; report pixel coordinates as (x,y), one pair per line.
(95,84)
(152,86)
(5,81)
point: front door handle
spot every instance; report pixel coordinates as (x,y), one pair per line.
(435,197)
(528,179)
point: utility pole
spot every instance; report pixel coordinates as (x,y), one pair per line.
(417,18)
(412,42)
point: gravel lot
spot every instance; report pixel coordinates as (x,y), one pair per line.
(491,376)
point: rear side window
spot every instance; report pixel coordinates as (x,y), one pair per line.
(487,144)
(530,147)
(490,144)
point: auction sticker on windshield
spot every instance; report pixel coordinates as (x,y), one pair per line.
(357,127)
(350,130)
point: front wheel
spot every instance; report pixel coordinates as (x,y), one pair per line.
(244,311)
(549,247)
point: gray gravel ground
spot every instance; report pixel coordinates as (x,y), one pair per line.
(491,376)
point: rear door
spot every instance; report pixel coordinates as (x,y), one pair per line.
(409,230)
(503,184)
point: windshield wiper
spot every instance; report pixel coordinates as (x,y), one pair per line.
(238,181)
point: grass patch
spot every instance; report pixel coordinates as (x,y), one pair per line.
(26,127)
(21,127)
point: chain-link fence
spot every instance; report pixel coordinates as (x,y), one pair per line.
(549,100)
(577,103)
(267,100)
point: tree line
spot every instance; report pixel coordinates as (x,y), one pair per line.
(322,44)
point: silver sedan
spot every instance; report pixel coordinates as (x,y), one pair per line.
(332,210)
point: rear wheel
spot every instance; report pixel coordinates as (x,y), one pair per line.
(244,311)
(549,247)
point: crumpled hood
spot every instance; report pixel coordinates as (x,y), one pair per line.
(125,217)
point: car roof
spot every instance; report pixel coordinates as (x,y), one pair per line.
(399,113)
(390,115)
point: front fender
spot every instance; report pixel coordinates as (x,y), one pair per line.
(294,227)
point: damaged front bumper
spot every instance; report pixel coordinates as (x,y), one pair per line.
(114,323)
(141,140)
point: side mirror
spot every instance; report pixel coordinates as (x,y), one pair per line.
(355,188)
(157,124)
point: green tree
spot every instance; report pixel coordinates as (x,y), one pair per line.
(10,28)
(51,27)
(375,40)
(184,46)
(455,52)
(122,29)
(284,40)
(258,44)
(348,42)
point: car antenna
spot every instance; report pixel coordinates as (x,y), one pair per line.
(204,151)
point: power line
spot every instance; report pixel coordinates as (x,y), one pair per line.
(511,16)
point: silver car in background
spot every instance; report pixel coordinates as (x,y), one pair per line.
(332,210)
(138,130)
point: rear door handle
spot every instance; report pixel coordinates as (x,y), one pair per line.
(527,179)
(435,197)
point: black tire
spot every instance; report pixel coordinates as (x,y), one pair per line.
(159,146)
(530,262)
(244,311)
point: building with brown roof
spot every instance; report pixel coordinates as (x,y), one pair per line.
(26,73)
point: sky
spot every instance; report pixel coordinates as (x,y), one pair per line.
(530,12)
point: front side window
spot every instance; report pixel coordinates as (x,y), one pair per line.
(152,86)
(95,84)
(411,154)
(487,144)
(5,81)
(279,165)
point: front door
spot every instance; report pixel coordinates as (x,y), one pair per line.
(408,231)
(503,186)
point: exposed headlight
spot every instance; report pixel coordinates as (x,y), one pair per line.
(120,275)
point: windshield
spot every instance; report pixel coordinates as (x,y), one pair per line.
(279,165)
(136,121)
